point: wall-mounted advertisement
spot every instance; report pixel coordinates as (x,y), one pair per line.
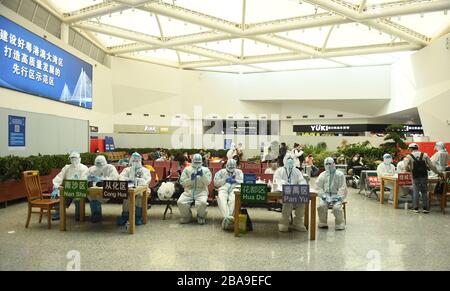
(16,132)
(32,65)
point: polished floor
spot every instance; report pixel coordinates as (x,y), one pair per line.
(377,237)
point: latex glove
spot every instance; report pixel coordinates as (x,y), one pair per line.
(229,180)
(193,176)
(93,178)
(140,181)
(55,193)
(324,198)
(200,173)
(336,199)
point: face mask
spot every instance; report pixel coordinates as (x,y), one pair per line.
(231,169)
(196,165)
(387,161)
(290,163)
(75,161)
(330,168)
(136,164)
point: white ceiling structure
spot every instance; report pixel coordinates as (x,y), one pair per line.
(248,36)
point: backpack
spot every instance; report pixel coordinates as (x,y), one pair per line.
(420,169)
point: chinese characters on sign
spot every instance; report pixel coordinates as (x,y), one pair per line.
(297,194)
(404,179)
(254,193)
(373,181)
(75,188)
(33,65)
(31,61)
(115,189)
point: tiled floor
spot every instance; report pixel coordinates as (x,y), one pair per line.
(377,237)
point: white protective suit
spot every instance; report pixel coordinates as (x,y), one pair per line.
(441,157)
(138,175)
(332,190)
(386,168)
(96,174)
(99,172)
(290,175)
(227,180)
(232,151)
(195,180)
(75,171)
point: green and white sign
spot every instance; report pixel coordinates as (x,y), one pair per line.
(75,188)
(253,193)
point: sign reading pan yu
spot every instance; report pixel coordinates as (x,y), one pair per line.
(297,194)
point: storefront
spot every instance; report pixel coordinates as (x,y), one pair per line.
(352,129)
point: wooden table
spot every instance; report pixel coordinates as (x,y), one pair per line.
(98,192)
(310,209)
(394,180)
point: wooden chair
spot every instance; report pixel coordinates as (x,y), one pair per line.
(36,199)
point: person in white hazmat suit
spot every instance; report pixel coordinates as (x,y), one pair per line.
(290,175)
(96,174)
(139,176)
(441,157)
(195,180)
(332,190)
(386,168)
(75,171)
(227,181)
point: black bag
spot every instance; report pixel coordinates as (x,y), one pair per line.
(314,171)
(420,169)
(439,188)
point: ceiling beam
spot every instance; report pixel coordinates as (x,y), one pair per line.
(331,53)
(372,16)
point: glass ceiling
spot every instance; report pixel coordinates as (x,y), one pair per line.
(288,34)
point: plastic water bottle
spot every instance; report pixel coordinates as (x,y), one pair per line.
(406,205)
(127,225)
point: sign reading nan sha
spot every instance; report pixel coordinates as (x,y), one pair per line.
(75,188)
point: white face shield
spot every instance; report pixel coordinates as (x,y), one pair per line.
(231,166)
(136,160)
(197,161)
(100,162)
(330,166)
(387,159)
(75,158)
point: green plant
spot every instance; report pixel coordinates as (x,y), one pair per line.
(370,153)
(395,140)
(11,167)
(175,152)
